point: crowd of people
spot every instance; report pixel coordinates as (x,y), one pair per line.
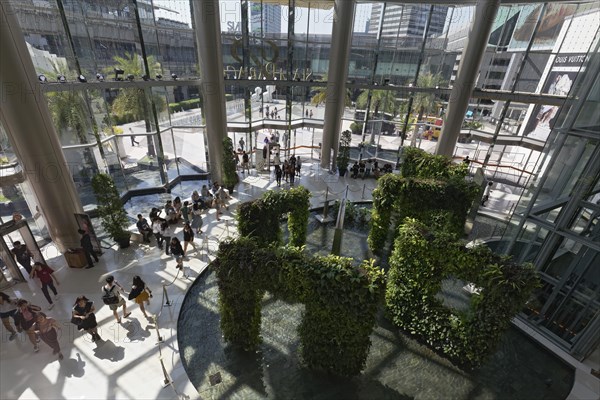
(187,214)
(28,318)
(365,169)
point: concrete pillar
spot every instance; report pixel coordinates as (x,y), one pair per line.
(341,38)
(485,13)
(26,118)
(207,28)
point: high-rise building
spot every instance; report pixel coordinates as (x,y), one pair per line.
(407,20)
(265,18)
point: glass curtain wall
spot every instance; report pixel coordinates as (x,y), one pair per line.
(140,114)
(556,225)
(128,130)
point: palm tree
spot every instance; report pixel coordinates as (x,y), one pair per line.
(383,99)
(133,103)
(70,113)
(425,102)
(320,95)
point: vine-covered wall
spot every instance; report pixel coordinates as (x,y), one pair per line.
(260,218)
(341,300)
(431,189)
(421,259)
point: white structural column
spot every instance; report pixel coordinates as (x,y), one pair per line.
(341,38)
(207,28)
(26,118)
(485,13)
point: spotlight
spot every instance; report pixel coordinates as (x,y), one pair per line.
(145,77)
(100,77)
(82,79)
(118,71)
(42,78)
(61,79)
(174,76)
(158,77)
(130,77)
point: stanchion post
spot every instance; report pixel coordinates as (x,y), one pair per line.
(168,302)
(363,192)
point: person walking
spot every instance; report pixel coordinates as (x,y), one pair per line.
(185,211)
(177,253)
(188,237)
(22,255)
(8,309)
(245,162)
(196,218)
(242,143)
(157,229)
(88,249)
(278,174)
(111,295)
(298,166)
(84,318)
(46,276)
(25,318)
(140,293)
(133,141)
(48,329)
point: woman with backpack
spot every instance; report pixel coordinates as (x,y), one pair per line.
(111,296)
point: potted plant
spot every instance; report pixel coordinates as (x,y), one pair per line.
(110,209)
(343,157)
(229,172)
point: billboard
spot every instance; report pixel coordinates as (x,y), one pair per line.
(563,72)
(548,30)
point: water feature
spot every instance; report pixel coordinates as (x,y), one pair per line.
(398,367)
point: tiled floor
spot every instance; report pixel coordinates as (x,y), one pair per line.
(130,363)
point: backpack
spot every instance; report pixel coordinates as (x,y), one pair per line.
(109,297)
